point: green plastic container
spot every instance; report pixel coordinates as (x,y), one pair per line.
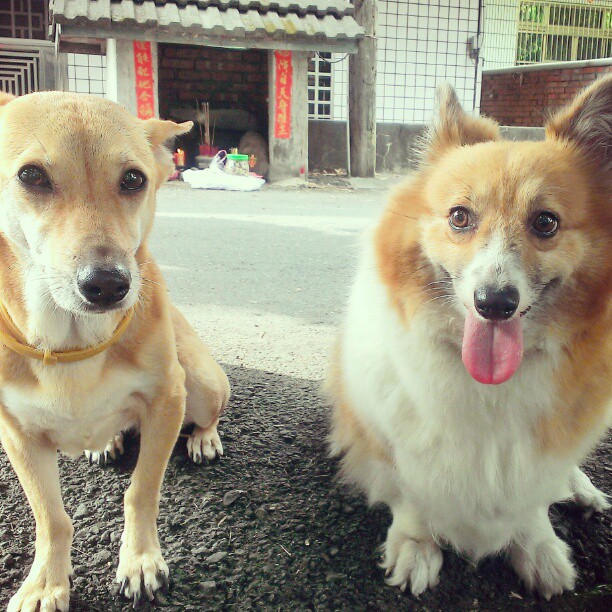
(237,164)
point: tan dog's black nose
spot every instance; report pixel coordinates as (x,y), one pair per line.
(104,286)
(496,304)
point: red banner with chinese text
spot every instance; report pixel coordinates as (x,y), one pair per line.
(283,84)
(143,64)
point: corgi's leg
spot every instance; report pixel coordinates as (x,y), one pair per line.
(208,391)
(411,555)
(47,587)
(141,565)
(585,493)
(541,559)
(112,451)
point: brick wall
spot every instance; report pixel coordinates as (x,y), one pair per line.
(527,97)
(226,78)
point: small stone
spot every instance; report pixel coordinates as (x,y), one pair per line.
(334,576)
(261,512)
(200,552)
(102,557)
(81,512)
(334,551)
(216,557)
(209,585)
(231,496)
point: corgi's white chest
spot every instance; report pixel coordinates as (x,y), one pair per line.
(466,453)
(77,407)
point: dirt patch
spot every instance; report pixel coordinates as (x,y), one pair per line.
(270,528)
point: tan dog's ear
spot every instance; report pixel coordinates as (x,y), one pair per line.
(587,123)
(452,127)
(159,132)
(5,98)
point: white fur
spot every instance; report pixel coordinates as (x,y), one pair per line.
(466,467)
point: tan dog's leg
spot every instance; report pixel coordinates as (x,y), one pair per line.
(47,587)
(141,564)
(208,391)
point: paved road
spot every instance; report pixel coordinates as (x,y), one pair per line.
(263,275)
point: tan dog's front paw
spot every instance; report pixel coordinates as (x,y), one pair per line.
(545,568)
(44,590)
(407,560)
(112,451)
(141,574)
(204,444)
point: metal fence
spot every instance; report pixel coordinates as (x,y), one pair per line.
(530,32)
(421,43)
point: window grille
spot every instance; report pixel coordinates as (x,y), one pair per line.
(562,31)
(320,86)
(24,19)
(87,73)
(519,32)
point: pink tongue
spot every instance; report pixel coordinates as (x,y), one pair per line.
(492,351)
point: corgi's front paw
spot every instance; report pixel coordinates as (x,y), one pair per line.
(411,561)
(545,567)
(46,589)
(586,495)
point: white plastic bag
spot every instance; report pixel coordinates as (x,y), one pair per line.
(215,177)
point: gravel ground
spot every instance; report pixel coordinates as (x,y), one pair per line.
(270,528)
(263,277)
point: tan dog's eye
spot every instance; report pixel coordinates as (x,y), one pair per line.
(33,176)
(133,180)
(460,218)
(545,224)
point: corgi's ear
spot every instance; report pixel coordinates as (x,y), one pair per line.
(587,123)
(159,132)
(452,127)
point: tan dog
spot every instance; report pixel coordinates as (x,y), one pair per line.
(78,177)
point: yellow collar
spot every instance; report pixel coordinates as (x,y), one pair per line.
(16,342)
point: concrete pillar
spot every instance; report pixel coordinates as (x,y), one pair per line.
(121,73)
(289,156)
(362,93)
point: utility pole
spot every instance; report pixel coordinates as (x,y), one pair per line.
(362,93)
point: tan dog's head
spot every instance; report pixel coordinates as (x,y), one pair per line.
(78,176)
(506,237)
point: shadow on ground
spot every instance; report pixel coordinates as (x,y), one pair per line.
(270,528)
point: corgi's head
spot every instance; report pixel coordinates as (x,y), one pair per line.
(78,176)
(511,239)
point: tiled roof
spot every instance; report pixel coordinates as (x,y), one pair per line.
(289,24)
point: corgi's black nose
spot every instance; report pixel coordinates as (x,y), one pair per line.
(104,286)
(496,304)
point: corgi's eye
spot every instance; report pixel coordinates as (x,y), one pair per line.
(33,176)
(133,180)
(545,224)
(460,218)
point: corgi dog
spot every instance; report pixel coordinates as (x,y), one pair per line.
(90,344)
(473,370)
